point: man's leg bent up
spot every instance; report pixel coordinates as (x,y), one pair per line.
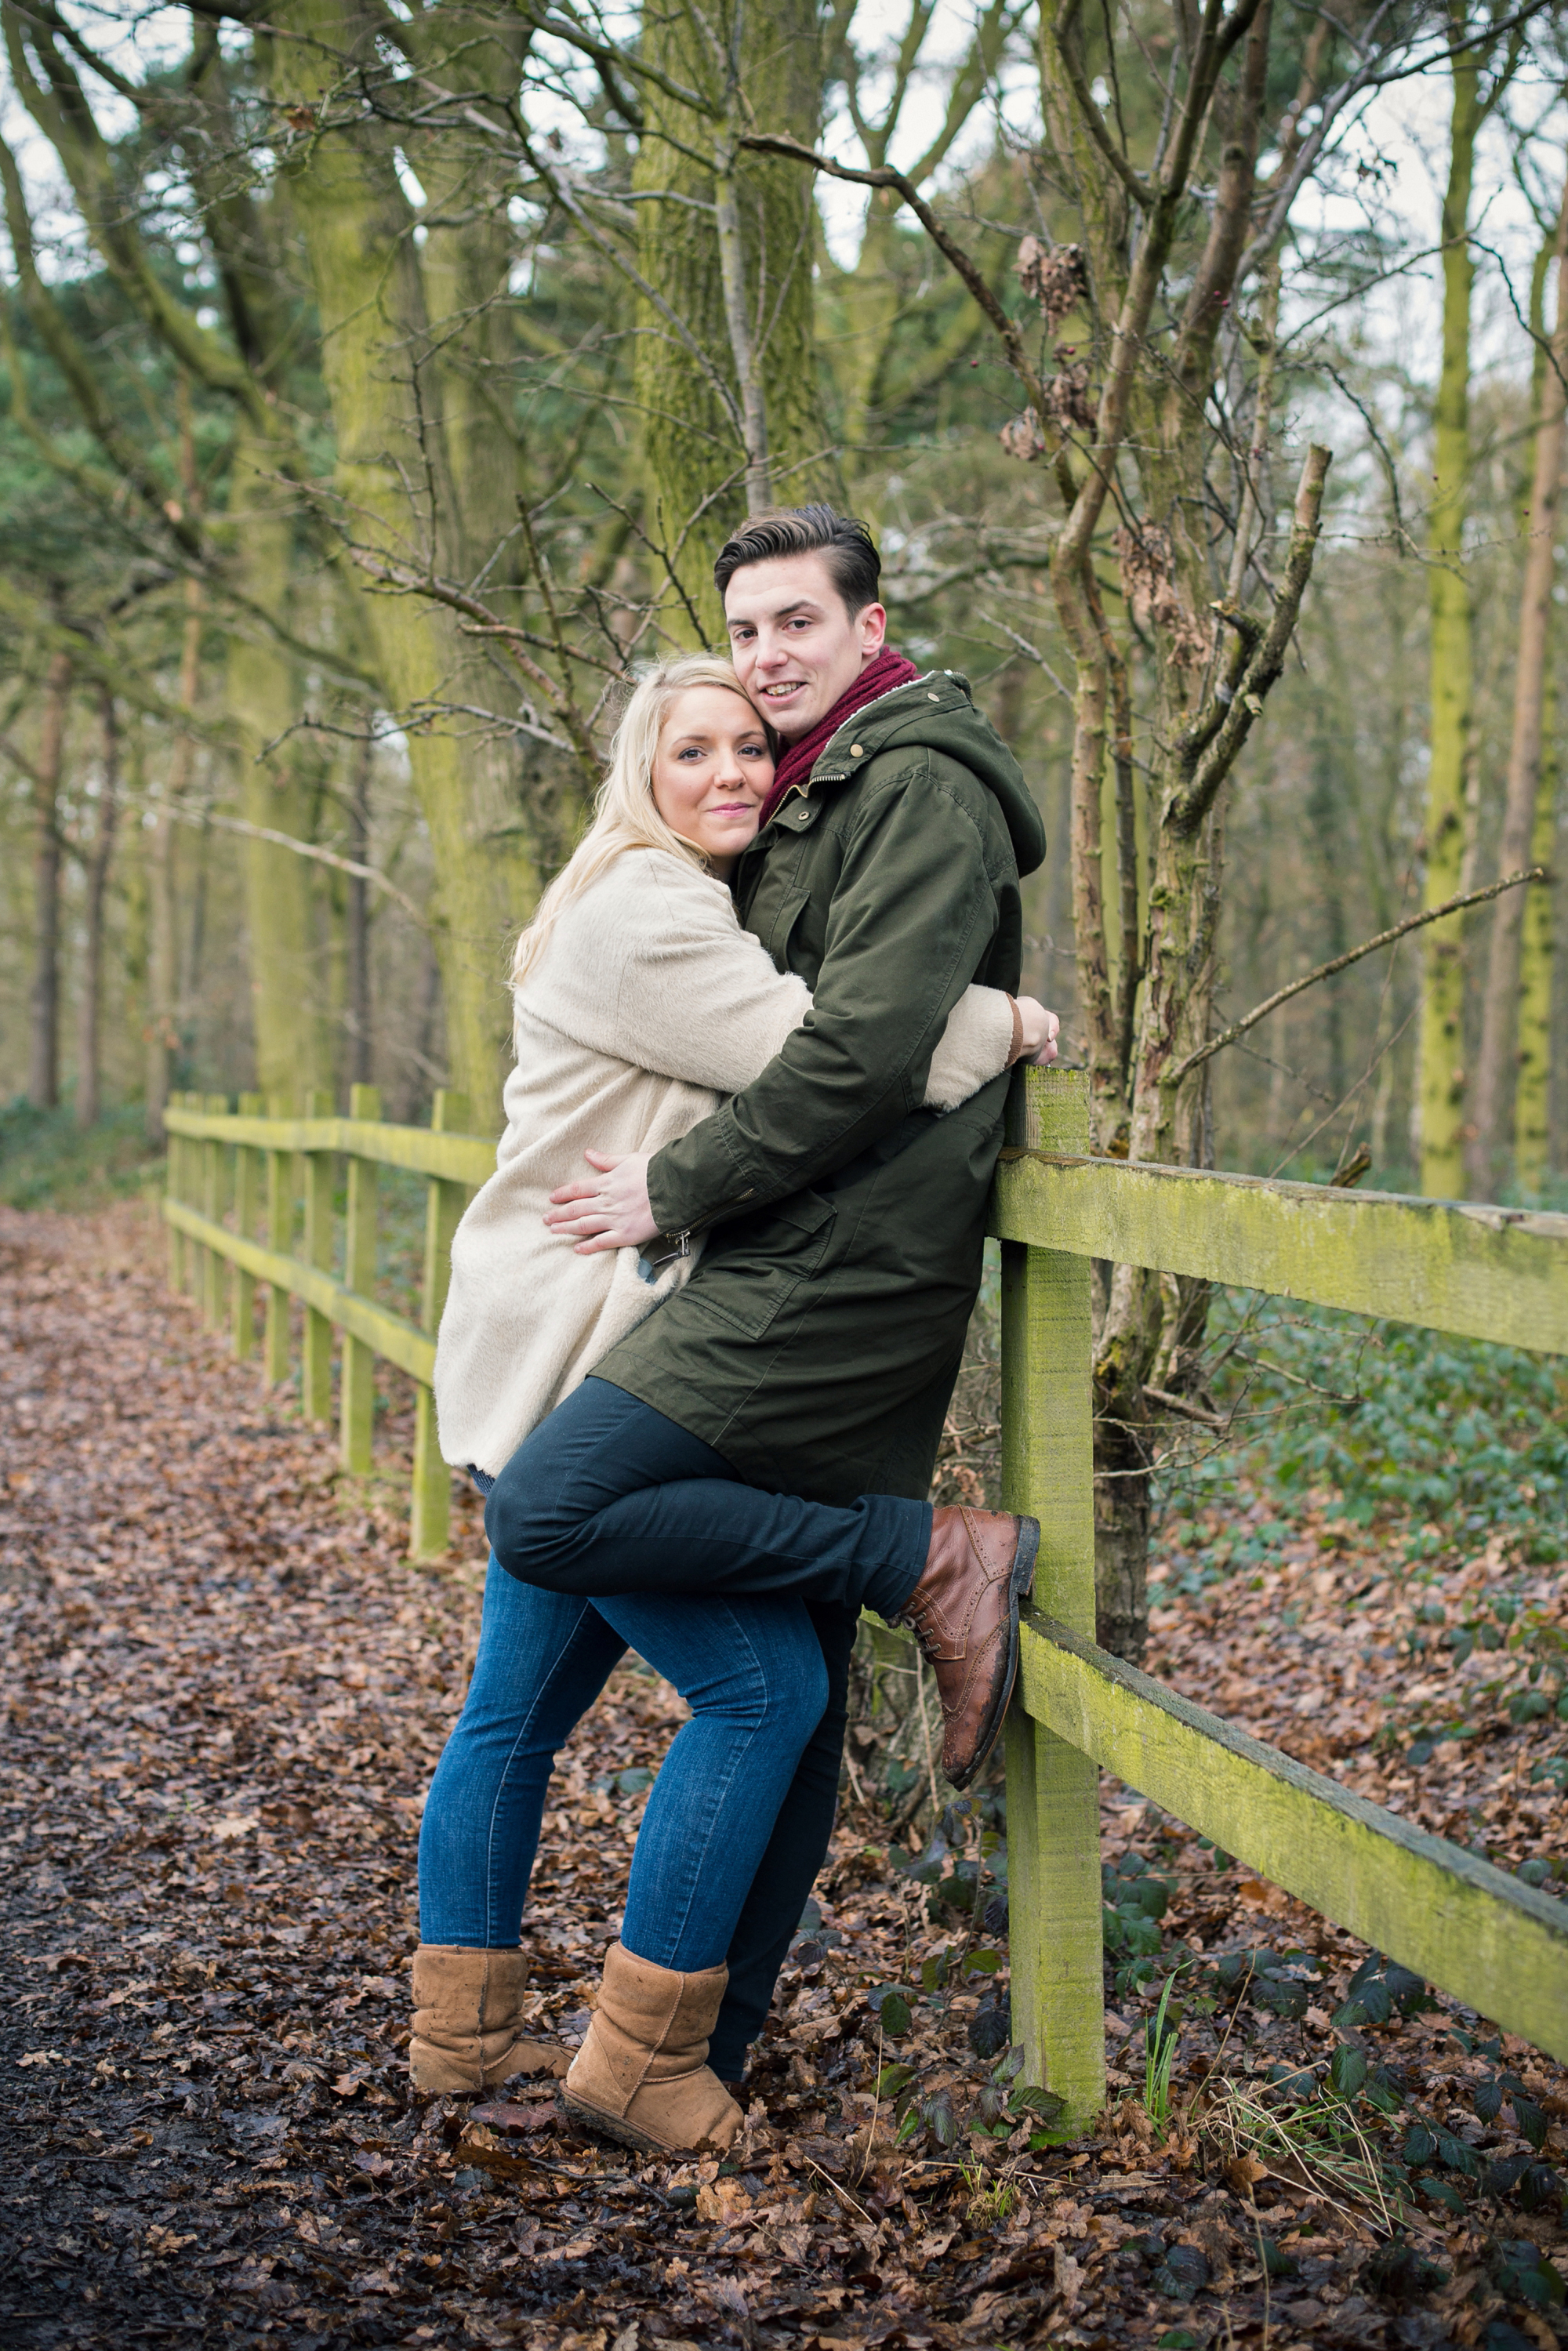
(609,1497)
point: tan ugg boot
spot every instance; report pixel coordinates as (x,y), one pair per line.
(639,2076)
(466,2011)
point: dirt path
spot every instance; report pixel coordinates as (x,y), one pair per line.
(224,1690)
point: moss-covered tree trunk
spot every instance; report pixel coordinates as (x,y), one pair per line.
(423,478)
(262,696)
(1533,1095)
(97,857)
(1528,779)
(748,309)
(1441,1082)
(44,1002)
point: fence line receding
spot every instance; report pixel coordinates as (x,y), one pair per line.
(1493,1942)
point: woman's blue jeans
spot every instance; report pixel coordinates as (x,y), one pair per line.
(755,1674)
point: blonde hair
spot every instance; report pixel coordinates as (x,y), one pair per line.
(624,813)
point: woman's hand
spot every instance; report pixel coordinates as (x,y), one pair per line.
(1040,1031)
(608,1210)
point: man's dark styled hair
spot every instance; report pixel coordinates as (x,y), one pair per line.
(853,564)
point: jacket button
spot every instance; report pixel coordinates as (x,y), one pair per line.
(933,697)
(857,750)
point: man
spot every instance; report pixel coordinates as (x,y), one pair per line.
(813,1354)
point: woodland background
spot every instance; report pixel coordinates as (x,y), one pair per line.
(376,381)
(177,498)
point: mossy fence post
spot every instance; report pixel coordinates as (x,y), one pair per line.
(174,1147)
(316,1357)
(280,1241)
(247,1200)
(213,1268)
(356,1381)
(1054,1790)
(444,1204)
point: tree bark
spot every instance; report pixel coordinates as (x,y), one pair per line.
(360,1055)
(262,695)
(1142,1019)
(44,1004)
(1529,783)
(1532,1095)
(403,458)
(164,1008)
(1442,1081)
(745,296)
(95,876)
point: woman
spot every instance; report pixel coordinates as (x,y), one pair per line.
(638,1001)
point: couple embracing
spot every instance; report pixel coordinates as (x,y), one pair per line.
(766,1005)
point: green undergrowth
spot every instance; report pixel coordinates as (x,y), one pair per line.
(1367,2115)
(1457,1437)
(46,1161)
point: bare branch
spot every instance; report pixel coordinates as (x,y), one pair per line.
(1343,963)
(1185,1410)
(199,819)
(1143,191)
(884,176)
(1187,807)
(402,578)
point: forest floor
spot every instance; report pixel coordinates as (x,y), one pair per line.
(224,1690)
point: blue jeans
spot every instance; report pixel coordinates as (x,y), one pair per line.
(608,1496)
(754,1674)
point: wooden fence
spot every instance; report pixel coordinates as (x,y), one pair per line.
(1498,1945)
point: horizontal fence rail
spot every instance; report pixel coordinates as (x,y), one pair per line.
(1491,1273)
(1490,1939)
(215,1159)
(1485,1273)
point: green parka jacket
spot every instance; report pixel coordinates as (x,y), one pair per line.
(817,1343)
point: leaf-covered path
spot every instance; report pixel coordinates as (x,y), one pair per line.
(224,1690)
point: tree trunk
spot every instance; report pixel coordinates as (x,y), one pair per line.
(1527,783)
(702,478)
(44,1031)
(1147,1007)
(261,694)
(95,864)
(163,1013)
(1532,1095)
(358,1011)
(1441,1088)
(400,480)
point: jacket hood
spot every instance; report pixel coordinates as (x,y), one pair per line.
(936,712)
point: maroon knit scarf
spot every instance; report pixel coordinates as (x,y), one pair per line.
(877,678)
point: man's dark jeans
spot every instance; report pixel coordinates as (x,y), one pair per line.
(608,1496)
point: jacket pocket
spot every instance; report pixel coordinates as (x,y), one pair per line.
(782,921)
(754,1266)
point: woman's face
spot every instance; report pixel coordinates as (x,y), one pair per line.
(712,772)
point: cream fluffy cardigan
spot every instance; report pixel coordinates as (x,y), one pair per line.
(649,1004)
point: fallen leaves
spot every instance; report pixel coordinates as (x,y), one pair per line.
(160,2242)
(209,1910)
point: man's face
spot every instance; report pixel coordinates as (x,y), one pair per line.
(794,646)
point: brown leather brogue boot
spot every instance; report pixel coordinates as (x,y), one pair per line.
(964,1612)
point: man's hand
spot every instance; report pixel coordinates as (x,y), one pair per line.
(1040,1030)
(608,1210)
